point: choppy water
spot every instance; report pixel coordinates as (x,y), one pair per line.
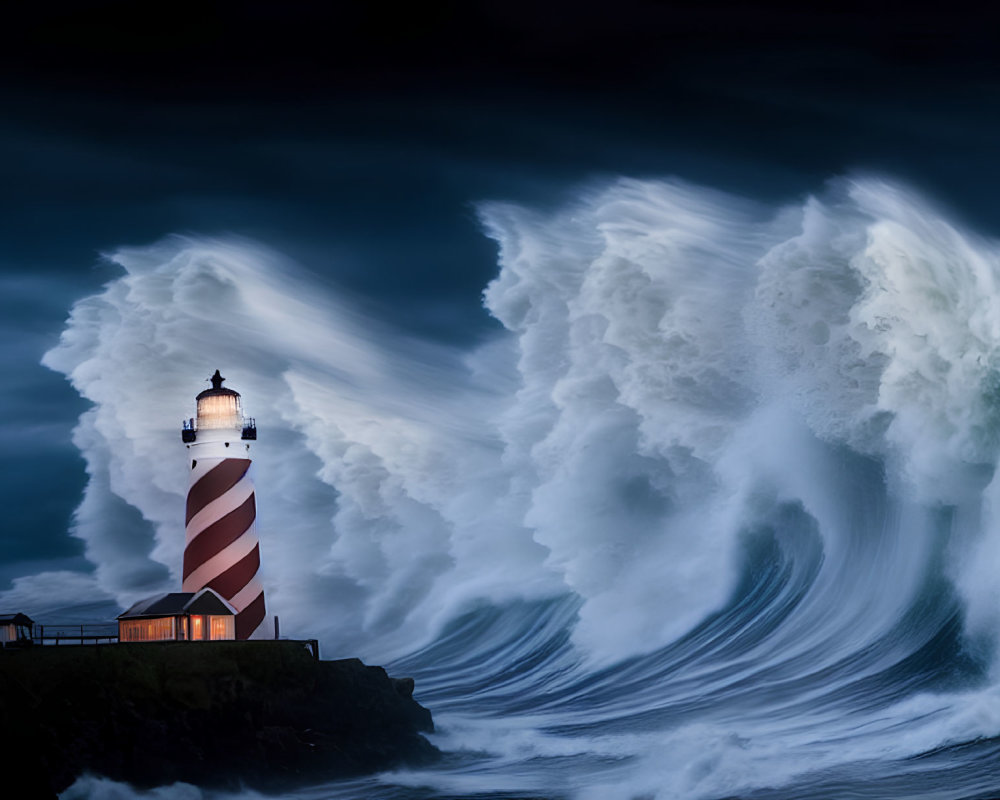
(713,516)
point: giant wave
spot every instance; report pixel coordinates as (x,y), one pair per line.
(715,515)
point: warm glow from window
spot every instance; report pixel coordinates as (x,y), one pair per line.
(146,630)
(219,411)
(223,627)
(203,627)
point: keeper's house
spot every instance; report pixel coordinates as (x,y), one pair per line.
(15,629)
(178,616)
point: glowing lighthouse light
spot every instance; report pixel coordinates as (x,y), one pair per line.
(221,549)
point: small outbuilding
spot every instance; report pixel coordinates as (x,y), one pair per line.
(15,629)
(178,616)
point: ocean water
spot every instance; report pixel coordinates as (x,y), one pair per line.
(712,515)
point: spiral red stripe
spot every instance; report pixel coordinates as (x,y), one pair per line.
(219,535)
(237,576)
(222,550)
(215,483)
(250,618)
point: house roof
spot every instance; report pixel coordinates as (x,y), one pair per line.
(208,601)
(16,619)
(173,604)
(159,605)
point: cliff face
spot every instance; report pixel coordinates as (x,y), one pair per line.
(260,714)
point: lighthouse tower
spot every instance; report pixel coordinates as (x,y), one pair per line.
(221,549)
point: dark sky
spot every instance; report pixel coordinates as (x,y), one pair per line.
(336,124)
(357,137)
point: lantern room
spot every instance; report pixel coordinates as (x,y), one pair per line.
(219,407)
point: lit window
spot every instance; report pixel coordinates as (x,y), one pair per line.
(146,630)
(222,627)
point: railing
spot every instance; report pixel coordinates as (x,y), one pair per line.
(95,633)
(247,427)
(92,633)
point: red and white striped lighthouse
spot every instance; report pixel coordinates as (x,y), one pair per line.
(221,548)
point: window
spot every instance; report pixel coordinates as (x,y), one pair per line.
(146,630)
(222,627)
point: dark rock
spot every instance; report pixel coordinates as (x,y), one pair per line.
(222,714)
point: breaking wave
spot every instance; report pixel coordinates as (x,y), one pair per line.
(715,515)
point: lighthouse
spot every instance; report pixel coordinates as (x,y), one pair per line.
(221,550)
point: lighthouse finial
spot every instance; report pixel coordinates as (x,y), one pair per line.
(217,380)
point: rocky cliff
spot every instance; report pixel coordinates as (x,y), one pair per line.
(260,714)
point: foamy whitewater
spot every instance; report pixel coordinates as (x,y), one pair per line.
(714,516)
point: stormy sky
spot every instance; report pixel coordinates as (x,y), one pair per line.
(356,140)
